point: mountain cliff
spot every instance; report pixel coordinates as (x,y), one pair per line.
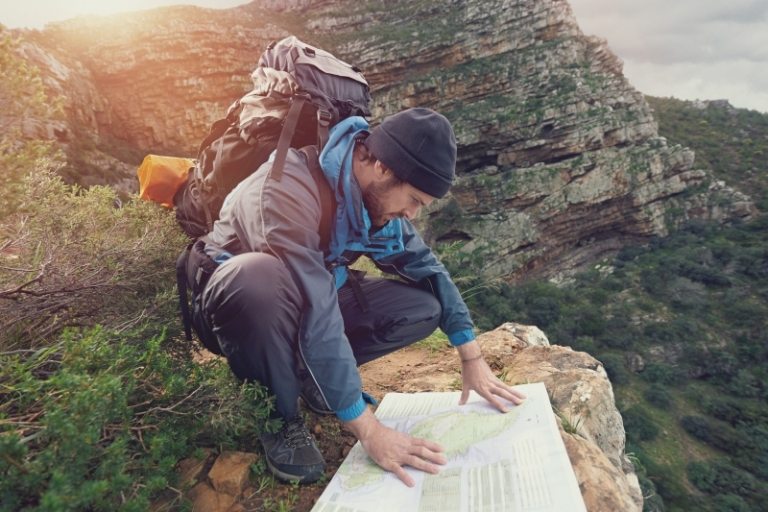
(560,161)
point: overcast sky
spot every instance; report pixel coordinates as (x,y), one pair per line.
(689,49)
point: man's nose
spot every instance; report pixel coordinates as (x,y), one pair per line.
(411,213)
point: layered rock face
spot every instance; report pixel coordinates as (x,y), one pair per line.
(559,157)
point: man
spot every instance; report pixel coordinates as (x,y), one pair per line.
(287,312)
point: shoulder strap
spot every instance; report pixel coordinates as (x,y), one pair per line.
(286,135)
(327,199)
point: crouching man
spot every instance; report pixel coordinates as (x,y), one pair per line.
(286,311)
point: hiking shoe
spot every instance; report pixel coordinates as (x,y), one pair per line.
(292,454)
(312,397)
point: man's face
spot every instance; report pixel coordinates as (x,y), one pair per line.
(388,198)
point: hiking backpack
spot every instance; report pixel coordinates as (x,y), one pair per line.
(299,92)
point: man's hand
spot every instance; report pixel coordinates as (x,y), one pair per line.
(392,450)
(477,375)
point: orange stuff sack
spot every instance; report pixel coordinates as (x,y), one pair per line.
(160,177)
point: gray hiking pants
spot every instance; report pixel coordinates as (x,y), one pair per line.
(252,307)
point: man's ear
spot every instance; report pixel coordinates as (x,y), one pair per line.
(381,170)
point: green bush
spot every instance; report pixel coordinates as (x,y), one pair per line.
(730,503)
(638,425)
(98,420)
(659,373)
(658,395)
(77,247)
(615,368)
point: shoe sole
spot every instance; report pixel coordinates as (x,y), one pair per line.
(287,477)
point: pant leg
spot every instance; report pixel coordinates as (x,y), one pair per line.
(398,314)
(253,307)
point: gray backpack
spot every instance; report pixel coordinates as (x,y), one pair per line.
(299,92)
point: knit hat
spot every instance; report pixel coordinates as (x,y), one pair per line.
(419,146)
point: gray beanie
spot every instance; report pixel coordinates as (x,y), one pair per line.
(419,146)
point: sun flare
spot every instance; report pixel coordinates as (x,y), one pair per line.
(37,13)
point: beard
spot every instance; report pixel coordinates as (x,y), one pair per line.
(373,197)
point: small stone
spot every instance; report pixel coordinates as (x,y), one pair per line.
(204,498)
(230,472)
(318,429)
(189,470)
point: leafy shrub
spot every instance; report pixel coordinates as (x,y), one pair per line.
(585,344)
(615,368)
(659,373)
(730,503)
(638,425)
(658,396)
(702,475)
(98,420)
(76,247)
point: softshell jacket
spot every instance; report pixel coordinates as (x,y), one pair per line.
(282,218)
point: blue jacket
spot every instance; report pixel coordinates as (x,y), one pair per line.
(282,218)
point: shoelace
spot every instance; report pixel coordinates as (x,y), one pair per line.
(296,434)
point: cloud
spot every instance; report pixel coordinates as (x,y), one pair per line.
(689,49)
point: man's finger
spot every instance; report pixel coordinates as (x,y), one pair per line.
(464,396)
(403,475)
(422,465)
(494,401)
(427,454)
(435,447)
(510,394)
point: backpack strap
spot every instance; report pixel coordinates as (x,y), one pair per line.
(327,200)
(181,287)
(324,119)
(286,134)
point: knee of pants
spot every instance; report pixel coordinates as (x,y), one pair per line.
(250,284)
(416,319)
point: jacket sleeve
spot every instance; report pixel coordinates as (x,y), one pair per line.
(417,263)
(282,218)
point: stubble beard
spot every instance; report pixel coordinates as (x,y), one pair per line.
(372,201)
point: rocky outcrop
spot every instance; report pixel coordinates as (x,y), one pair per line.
(579,390)
(560,161)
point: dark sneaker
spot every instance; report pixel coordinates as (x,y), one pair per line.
(312,397)
(292,454)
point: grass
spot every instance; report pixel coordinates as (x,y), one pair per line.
(435,342)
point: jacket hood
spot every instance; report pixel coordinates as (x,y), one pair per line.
(352,225)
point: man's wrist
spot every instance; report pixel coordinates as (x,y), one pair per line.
(362,426)
(469,351)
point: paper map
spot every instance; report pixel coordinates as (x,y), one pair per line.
(496,462)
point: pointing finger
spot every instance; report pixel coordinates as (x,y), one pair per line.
(494,402)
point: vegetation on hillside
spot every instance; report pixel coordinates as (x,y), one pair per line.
(97,402)
(680,326)
(731,142)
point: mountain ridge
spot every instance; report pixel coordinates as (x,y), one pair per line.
(560,162)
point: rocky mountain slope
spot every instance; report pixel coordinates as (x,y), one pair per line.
(560,160)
